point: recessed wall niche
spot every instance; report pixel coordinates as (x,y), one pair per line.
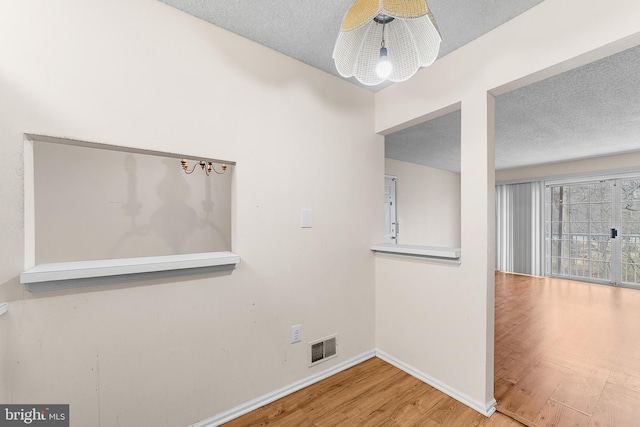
(93,203)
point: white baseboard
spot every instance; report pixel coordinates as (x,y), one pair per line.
(486,409)
(254,404)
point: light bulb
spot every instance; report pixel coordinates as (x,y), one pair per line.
(383,67)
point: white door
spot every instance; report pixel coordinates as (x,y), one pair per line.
(628,235)
(594,232)
(390,210)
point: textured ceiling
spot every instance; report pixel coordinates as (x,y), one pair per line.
(590,111)
(435,143)
(307,29)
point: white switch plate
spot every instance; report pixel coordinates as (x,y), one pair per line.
(296,334)
(306,218)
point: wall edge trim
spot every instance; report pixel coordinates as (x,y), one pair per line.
(486,409)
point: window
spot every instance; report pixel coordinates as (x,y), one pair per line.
(593,230)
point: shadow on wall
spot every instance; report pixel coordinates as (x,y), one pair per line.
(119,205)
(173,222)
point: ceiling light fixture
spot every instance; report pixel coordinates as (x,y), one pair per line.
(384,66)
(386,40)
(207,167)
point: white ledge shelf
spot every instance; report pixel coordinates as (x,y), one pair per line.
(421,251)
(69,271)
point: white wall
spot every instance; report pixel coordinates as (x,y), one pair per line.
(438,318)
(596,165)
(428,204)
(138,73)
(93,203)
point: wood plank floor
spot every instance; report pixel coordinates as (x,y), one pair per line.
(567,353)
(372,393)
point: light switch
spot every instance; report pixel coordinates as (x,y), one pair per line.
(306,218)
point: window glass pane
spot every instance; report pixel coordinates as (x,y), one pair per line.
(600,229)
(579,194)
(579,229)
(600,192)
(600,212)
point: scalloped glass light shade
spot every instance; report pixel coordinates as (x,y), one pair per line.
(412,40)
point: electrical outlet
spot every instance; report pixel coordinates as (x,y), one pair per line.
(296,334)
